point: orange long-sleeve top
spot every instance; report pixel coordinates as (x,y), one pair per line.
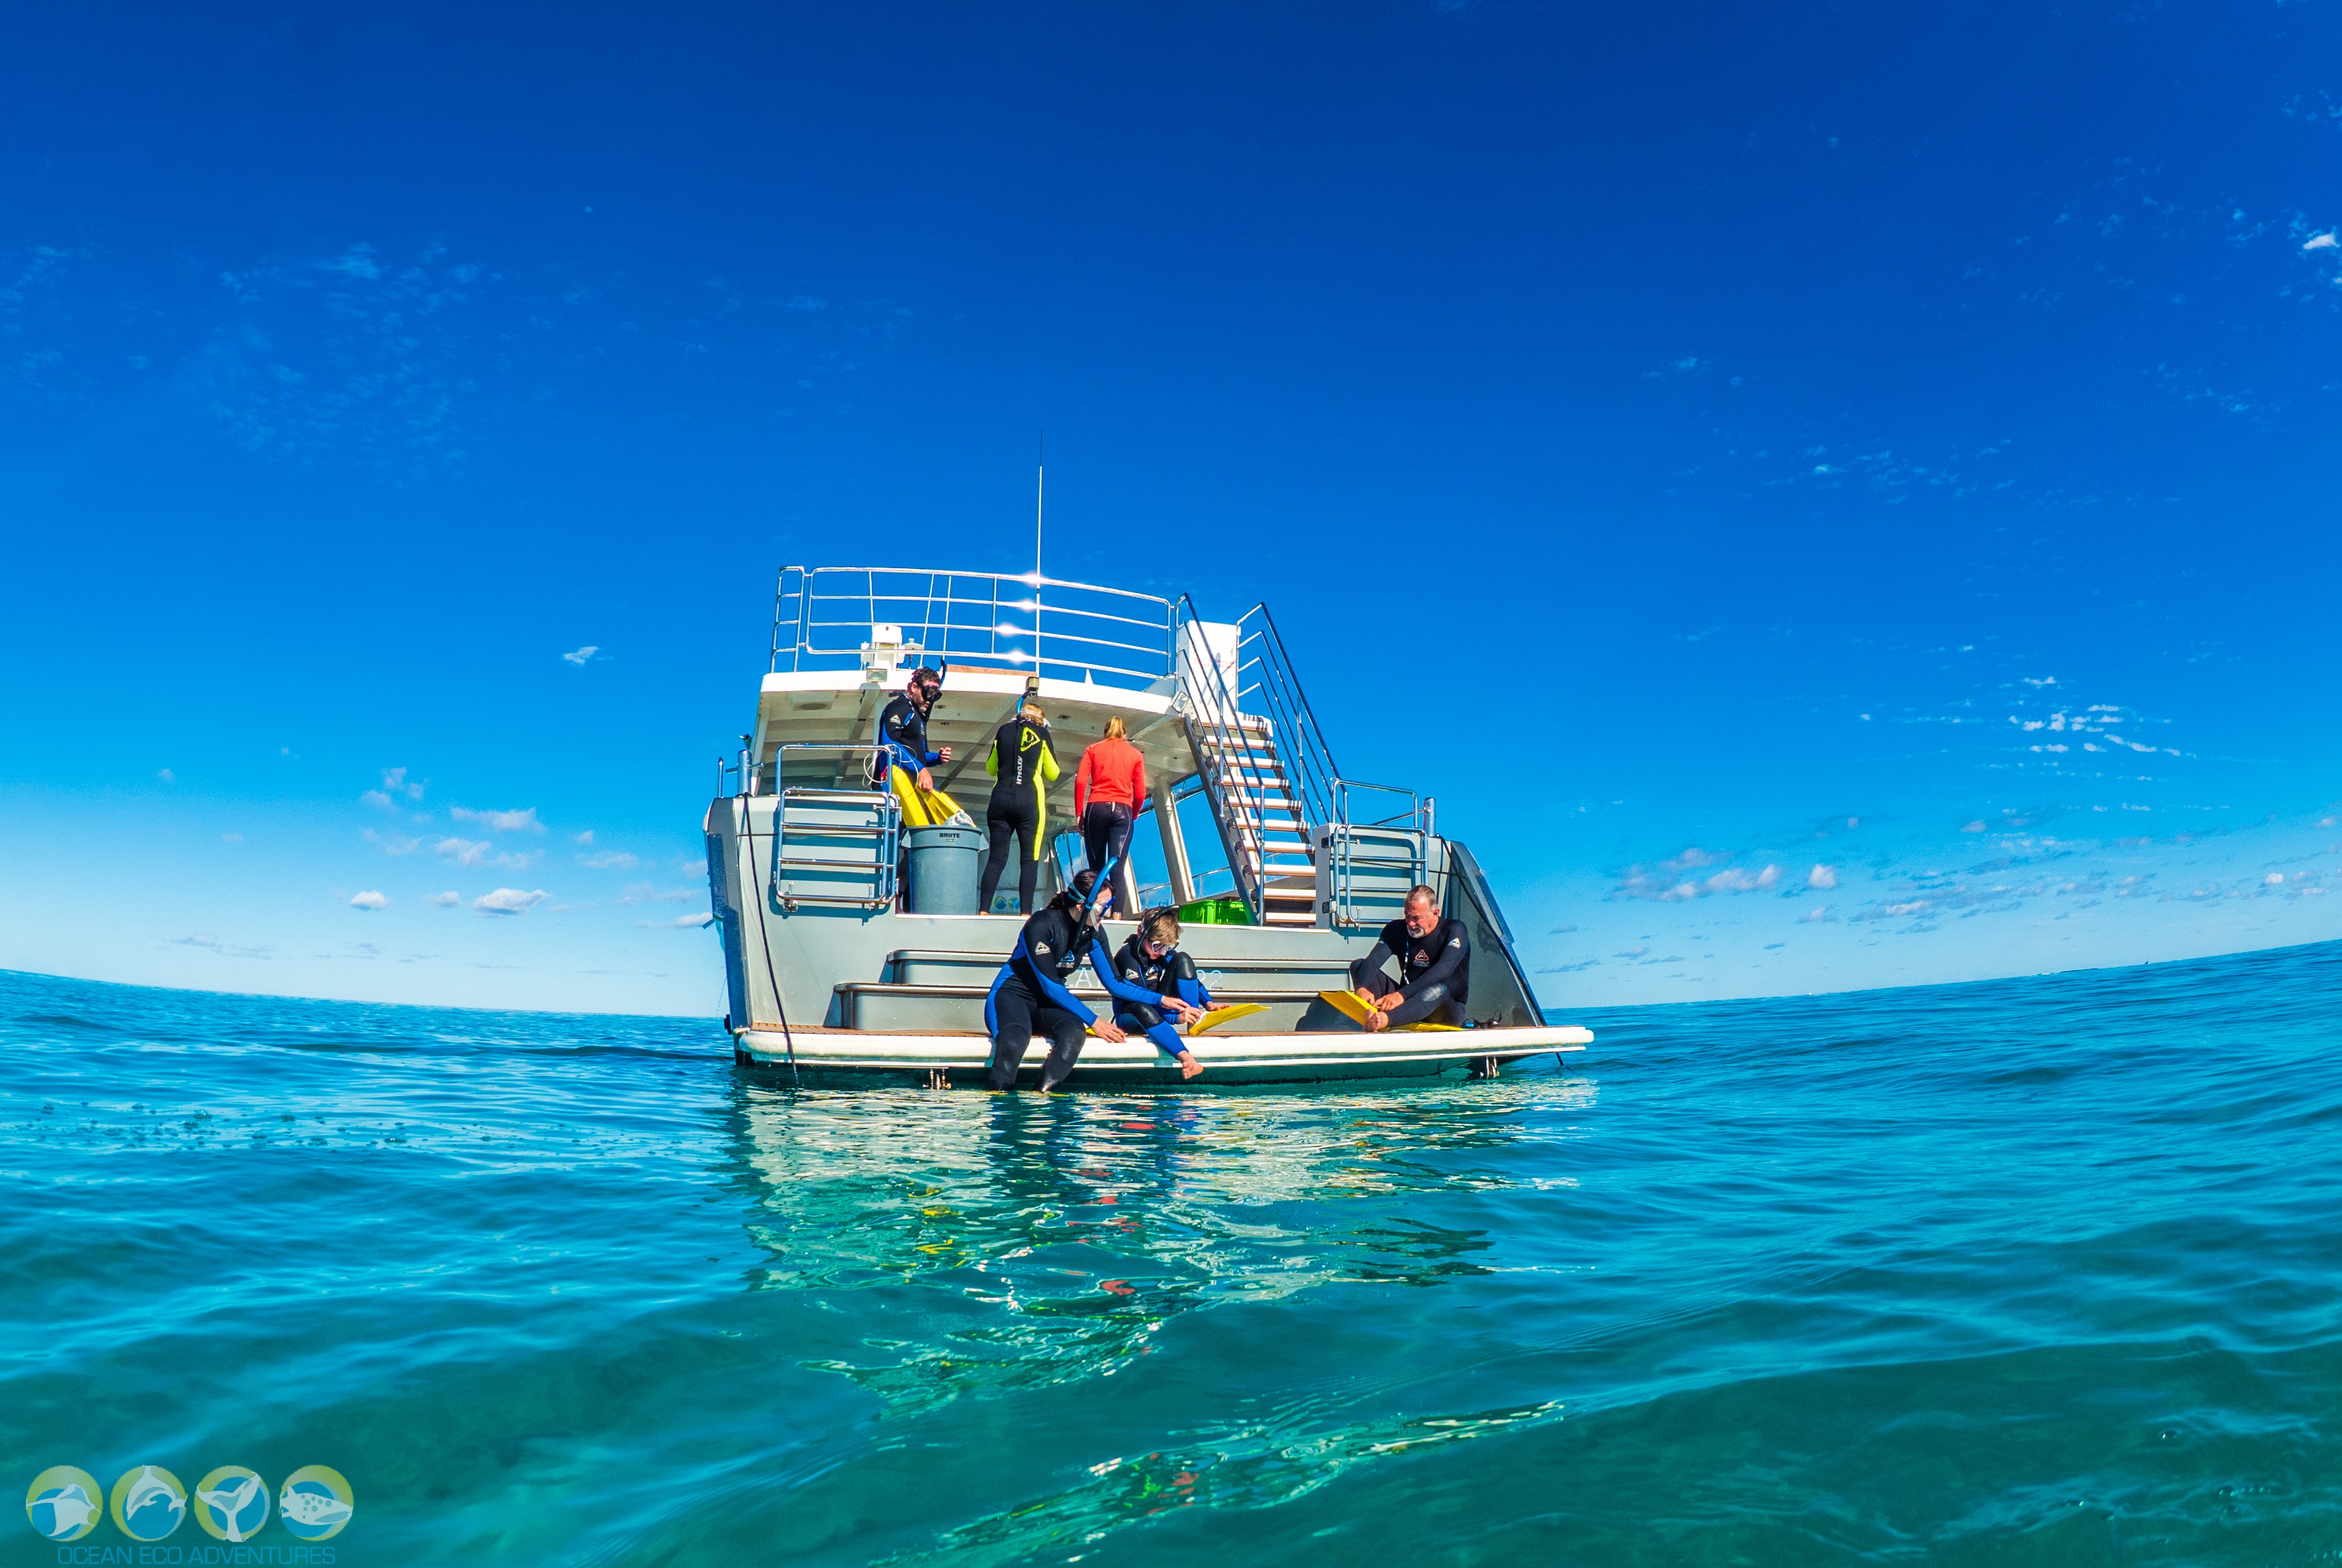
(1110,771)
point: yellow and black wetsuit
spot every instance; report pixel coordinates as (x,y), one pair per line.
(1022,766)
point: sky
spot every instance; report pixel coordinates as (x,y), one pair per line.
(1823,497)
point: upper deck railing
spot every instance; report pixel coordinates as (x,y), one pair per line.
(823,616)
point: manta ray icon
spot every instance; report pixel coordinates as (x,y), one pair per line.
(71,1512)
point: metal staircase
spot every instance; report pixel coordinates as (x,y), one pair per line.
(1262,820)
(1264,766)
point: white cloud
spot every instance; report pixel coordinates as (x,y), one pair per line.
(581,655)
(166,775)
(370,899)
(2325,242)
(1976,826)
(586,838)
(677,924)
(500,821)
(231,838)
(375,798)
(463,850)
(509,900)
(446,900)
(391,843)
(393,781)
(608,860)
(1818,911)
(2274,879)
(1821,879)
(643,893)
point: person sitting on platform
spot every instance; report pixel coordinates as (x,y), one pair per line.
(1151,960)
(1029,996)
(1435,968)
(903,759)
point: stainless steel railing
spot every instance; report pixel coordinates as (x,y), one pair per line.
(823,616)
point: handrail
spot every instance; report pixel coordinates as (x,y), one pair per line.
(1214,720)
(1278,697)
(1062,629)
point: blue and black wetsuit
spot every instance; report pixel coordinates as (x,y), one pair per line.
(1173,974)
(902,738)
(1029,996)
(1435,972)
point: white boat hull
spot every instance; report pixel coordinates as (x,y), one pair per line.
(855,1057)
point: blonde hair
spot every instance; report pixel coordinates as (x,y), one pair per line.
(1115,729)
(1033,710)
(1163,926)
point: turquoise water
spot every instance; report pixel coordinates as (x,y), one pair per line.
(2032,1271)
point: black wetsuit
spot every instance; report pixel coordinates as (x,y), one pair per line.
(1173,974)
(902,740)
(1029,996)
(1021,765)
(1434,970)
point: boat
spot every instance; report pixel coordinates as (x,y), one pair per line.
(1285,868)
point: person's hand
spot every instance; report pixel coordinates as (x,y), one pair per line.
(1376,1021)
(945,754)
(1180,1008)
(1107,1029)
(1390,1003)
(926,779)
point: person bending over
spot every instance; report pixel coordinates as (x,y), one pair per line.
(1152,962)
(1108,788)
(1028,996)
(1434,964)
(1022,767)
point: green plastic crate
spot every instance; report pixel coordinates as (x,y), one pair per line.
(1222,911)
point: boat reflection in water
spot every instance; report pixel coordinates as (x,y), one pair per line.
(1044,1240)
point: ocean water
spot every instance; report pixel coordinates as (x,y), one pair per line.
(2034,1272)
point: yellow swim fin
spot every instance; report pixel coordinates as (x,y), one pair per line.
(1355,1007)
(1219,1016)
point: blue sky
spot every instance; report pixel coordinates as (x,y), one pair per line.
(1722,455)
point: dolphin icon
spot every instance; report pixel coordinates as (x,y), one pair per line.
(229,1502)
(145,1490)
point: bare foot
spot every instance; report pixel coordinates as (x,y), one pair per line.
(1188,1065)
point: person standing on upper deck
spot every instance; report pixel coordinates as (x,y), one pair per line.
(1107,789)
(904,757)
(1022,767)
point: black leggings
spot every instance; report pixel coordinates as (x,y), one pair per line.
(1013,814)
(1431,1005)
(1017,1015)
(1106,834)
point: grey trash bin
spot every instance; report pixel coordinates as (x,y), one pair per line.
(943,862)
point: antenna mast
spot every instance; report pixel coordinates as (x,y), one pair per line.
(1040,452)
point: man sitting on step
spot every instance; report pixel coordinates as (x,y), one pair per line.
(1435,964)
